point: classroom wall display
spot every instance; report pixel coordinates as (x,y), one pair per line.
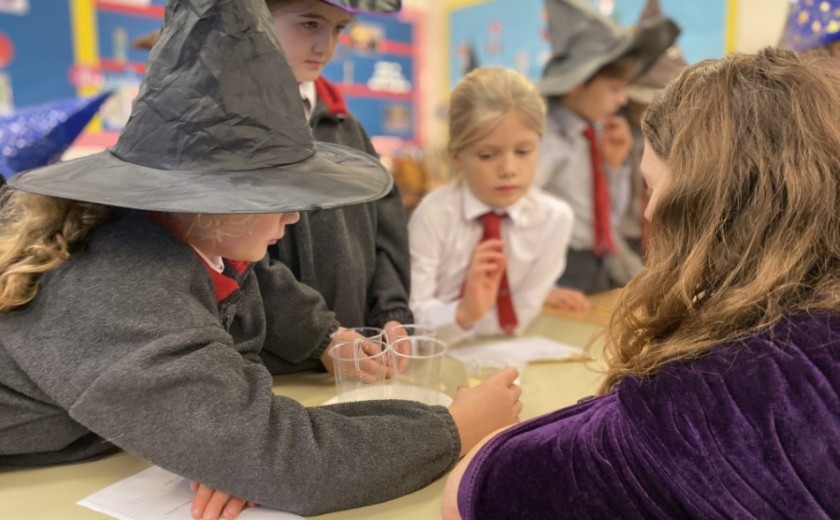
(513,33)
(35,52)
(375,67)
(56,49)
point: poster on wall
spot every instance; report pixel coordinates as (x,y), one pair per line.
(84,47)
(374,68)
(54,50)
(513,33)
(33,69)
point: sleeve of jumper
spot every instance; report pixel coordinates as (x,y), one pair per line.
(391,282)
(166,384)
(298,322)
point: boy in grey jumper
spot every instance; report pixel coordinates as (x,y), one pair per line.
(130,315)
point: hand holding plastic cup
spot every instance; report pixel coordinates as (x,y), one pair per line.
(394,333)
(362,367)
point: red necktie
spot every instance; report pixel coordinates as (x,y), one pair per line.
(492,223)
(601,195)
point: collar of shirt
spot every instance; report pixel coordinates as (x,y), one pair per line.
(217,264)
(307,92)
(474,208)
(567,122)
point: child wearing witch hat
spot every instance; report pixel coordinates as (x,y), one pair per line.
(586,142)
(355,256)
(130,315)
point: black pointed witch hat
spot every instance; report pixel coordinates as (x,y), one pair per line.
(667,67)
(583,40)
(218,127)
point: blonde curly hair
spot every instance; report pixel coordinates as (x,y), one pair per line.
(38,233)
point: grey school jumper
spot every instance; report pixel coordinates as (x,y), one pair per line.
(356,256)
(126,340)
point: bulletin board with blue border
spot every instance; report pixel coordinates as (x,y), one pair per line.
(60,49)
(513,33)
(56,49)
(376,67)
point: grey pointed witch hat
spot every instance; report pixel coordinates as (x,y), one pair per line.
(583,41)
(667,67)
(218,127)
(367,6)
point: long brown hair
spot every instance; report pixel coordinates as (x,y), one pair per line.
(746,228)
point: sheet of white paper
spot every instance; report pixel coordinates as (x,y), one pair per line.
(517,351)
(157,494)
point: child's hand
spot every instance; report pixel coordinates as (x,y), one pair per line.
(616,141)
(212,504)
(485,408)
(567,299)
(481,285)
(394,332)
(366,350)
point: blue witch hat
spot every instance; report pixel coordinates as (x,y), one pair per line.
(39,135)
(813,23)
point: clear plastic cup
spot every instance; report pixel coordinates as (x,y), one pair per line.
(365,332)
(397,332)
(417,362)
(362,369)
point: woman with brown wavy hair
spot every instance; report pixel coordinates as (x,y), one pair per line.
(721,397)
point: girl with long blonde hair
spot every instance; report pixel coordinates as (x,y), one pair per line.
(723,388)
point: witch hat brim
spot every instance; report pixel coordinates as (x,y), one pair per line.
(39,135)
(367,6)
(334,176)
(591,41)
(217,127)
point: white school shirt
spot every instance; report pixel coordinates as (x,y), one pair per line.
(307,92)
(443,232)
(565,171)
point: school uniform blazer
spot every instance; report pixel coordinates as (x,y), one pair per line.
(127,345)
(750,430)
(355,256)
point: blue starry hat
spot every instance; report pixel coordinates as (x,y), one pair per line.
(37,136)
(813,23)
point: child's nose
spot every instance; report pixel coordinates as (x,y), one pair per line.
(290,218)
(622,99)
(323,41)
(508,166)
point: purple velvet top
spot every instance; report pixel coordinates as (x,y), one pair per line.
(750,430)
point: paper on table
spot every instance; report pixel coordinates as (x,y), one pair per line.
(157,494)
(518,351)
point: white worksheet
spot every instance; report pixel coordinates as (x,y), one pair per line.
(157,494)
